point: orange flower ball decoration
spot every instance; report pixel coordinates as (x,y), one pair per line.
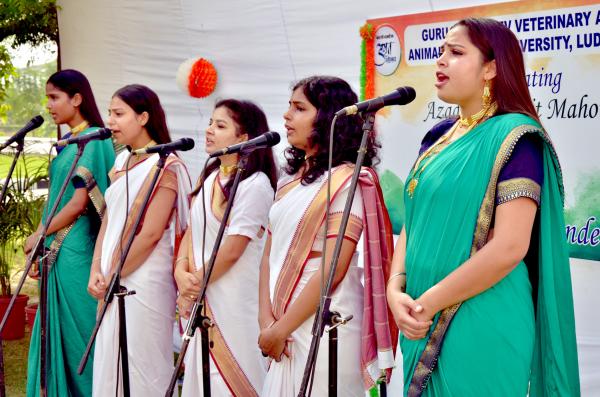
(197,77)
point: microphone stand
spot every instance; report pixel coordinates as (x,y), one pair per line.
(40,250)
(116,289)
(197,319)
(20,144)
(324,316)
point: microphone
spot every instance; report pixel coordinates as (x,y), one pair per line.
(31,125)
(265,140)
(400,96)
(101,134)
(182,144)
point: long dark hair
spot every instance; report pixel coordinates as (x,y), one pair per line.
(74,82)
(142,99)
(251,120)
(330,94)
(499,43)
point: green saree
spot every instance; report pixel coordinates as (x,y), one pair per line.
(500,342)
(71,310)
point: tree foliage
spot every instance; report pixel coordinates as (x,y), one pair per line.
(32,22)
(25,98)
(7,70)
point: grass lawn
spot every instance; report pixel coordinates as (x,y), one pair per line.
(15,364)
(15,351)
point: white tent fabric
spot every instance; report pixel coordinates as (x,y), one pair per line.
(259,47)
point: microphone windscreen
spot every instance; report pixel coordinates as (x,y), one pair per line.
(273,138)
(37,121)
(406,95)
(187,144)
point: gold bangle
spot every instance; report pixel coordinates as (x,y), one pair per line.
(183,258)
(393,276)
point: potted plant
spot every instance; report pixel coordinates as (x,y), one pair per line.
(19,217)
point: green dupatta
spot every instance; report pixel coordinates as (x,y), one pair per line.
(485,346)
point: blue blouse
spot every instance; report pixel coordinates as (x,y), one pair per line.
(521,176)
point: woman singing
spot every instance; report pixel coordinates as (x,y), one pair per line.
(480,284)
(290,278)
(236,365)
(71,236)
(138,120)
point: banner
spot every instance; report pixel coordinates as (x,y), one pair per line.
(561,45)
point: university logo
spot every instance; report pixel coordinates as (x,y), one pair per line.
(387,50)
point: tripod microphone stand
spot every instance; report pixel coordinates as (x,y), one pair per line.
(20,145)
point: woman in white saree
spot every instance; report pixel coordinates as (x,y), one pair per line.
(236,366)
(137,120)
(290,278)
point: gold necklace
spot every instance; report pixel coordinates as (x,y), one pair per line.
(151,143)
(431,151)
(227,170)
(473,119)
(443,142)
(78,128)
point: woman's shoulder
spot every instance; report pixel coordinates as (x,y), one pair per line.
(510,121)
(258,180)
(284,179)
(174,161)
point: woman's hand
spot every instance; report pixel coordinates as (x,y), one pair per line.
(30,242)
(266,320)
(184,304)
(425,315)
(34,270)
(97,284)
(273,343)
(408,315)
(188,283)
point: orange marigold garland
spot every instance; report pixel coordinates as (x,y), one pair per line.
(367,72)
(197,77)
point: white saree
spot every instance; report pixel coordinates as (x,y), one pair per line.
(236,365)
(295,217)
(151,310)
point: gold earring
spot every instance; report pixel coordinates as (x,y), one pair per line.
(487,94)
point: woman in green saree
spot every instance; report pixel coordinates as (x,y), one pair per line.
(71,237)
(480,285)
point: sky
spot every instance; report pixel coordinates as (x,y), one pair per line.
(35,55)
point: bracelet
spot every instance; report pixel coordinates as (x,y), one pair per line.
(272,322)
(183,258)
(393,276)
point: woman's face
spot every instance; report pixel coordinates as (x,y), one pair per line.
(127,126)
(299,121)
(461,71)
(61,107)
(222,131)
